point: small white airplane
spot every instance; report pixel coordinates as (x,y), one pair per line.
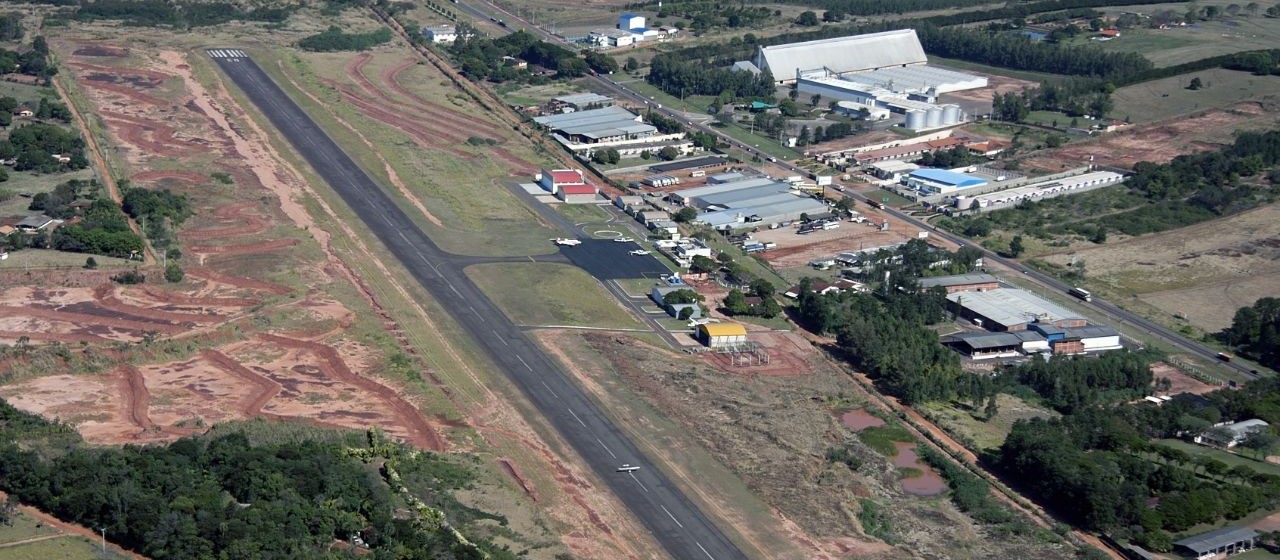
(639,252)
(626,467)
(623,240)
(567,242)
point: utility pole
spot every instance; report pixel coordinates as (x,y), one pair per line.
(104,541)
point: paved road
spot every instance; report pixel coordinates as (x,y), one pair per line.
(676,523)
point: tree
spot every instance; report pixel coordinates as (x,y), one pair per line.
(173,273)
(807,19)
(702,265)
(815,100)
(631,65)
(845,204)
(993,408)
(1252,8)
(1015,246)
(735,303)
(91,263)
(685,215)
(1195,84)
(668,153)
(762,288)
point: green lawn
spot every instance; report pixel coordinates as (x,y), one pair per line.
(882,438)
(582,213)
(1169,97)
(1204,39)
(550,294)
(1231,459)
(33,183)
(765,144)
(1054,119)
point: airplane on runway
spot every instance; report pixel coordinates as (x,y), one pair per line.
(623,240)
(626,467)
(567,242)
(639,252)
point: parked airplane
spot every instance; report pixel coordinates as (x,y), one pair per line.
(567,242)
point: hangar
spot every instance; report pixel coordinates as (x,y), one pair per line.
(856,53)
(1009,309)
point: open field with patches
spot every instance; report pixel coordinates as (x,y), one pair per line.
(1202,39)
(1203,272)
(1169,97)
(287,312)
(765,438)
(1161,141)
(550,294)
(28,537)
(977,433)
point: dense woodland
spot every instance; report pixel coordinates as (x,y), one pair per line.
(1255,332)
(481,58)
(179,14)
(34,145)
(97,226)
(1099,466)
(158,212)
(683,77)
(33,61)
(334,39)
(225,496)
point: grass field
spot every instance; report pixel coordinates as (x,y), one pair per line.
(1169,97)
(47,258)
(882,438)
(1230,459)
(984,434)
(51,546)
(451,187)
(26,93)
(27,182)
(550,294)
(1168,47)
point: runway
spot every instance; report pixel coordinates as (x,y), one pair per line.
(676,523)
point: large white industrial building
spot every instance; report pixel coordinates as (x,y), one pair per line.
(749,202)
(879,71)
(856,53)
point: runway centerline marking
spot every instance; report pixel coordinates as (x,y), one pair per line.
(704,551)
(673,518)
(606,448)
(575,417)
(642,486)
(526,365)
(553,393)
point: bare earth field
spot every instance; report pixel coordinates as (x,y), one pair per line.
(1203,272)
(772,432)
(1162,141)
(796,250)
(286,311)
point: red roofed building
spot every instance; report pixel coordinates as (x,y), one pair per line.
(553,179)
(1110,33)
(577,194)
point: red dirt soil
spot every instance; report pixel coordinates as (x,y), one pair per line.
(165,296)
(332,363)
(158,77)
(155,176)
(149,136)
(427,136)
(453,120)
(96,81)
(237,281)
(267,389)
(104,320)
(92,49)
(260,247)
(106,296)
(137,398)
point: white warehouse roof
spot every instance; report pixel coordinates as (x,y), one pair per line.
(1009,306)
(766,214)
(917,79)
(843,54)
(597,123)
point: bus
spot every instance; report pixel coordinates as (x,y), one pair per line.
(1224,356)
(1081,293)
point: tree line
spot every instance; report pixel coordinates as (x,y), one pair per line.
(1255,332)
(177,13)
(335,39)
(158,212)
(225,496)
(683,77)
(32,62)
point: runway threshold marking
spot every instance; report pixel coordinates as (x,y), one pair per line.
(575,417)
(673,518)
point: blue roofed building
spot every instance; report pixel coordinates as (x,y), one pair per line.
(940,181)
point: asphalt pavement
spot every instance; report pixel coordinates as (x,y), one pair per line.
(676,523)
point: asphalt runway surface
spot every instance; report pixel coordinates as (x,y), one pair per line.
(675,522)
(607,259)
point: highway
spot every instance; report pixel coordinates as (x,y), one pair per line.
(676,523)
